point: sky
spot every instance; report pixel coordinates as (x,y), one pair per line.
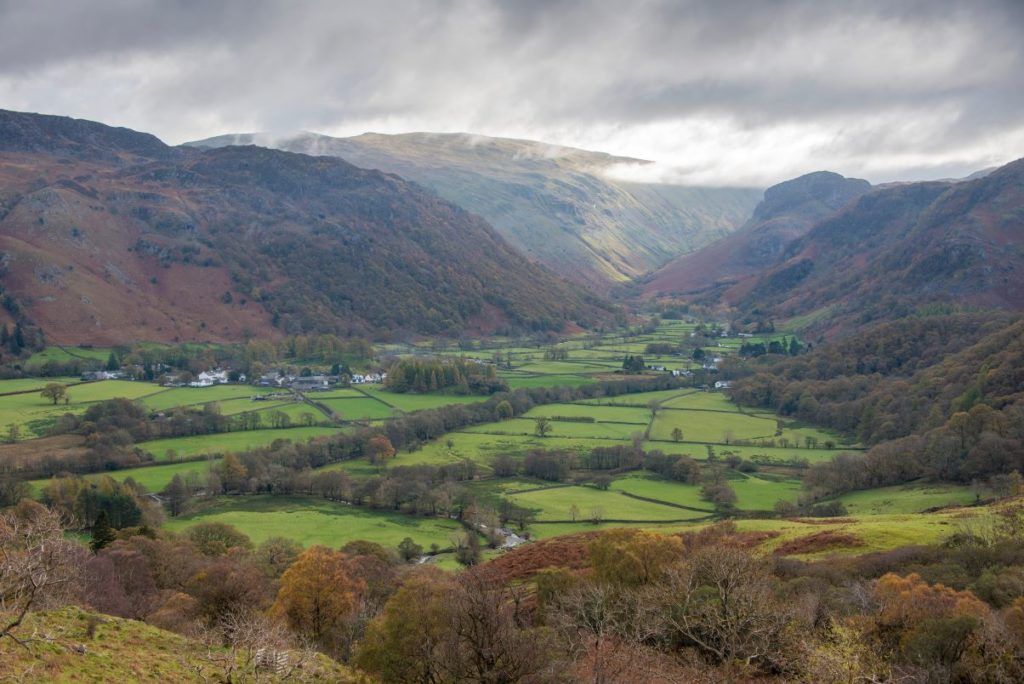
(716,92)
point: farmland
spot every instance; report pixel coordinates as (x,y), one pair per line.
(313,521)
(704,425)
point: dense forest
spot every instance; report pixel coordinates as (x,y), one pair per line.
(938,397)
(457,376)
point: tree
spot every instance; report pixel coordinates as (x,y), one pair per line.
(112,363)
(318,596)
(542,427)
(467,549)
(406,642)
(54,391)
(102,533)
(677,434)
(13,433)
(276,554)
(504,410)
(177,494)
(409,550)
(217,538)
(720,600)
(379,449)
(37,563)
(233,474)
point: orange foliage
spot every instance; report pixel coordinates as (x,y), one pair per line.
(318,595)
(909,600)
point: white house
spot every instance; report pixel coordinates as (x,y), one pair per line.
(723,384)
(210,378)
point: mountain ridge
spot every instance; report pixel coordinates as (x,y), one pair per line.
(108,235)
(556,204)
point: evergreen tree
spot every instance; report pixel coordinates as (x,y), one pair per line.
(112,363)
(102,532)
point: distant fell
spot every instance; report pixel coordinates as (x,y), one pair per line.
(560,206)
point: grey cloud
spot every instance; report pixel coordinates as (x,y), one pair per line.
(561,71)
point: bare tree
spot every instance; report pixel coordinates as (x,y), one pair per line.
(721,602)
(38,566)
(605,628)
(491,639)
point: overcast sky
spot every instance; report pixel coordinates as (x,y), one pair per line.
(716,92)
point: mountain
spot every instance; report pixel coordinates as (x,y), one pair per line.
(108,235)
(557,205)
(899,248)
(787,212)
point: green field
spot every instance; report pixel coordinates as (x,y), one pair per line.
(34,414)
(230,441)
(526,381)
(153,478)
(69,354)
(556,504)
(711,426)
(653,487)
(909,498)
(315,521)
(527,426)
(409,402)
(759,494)
(191,396)
(356,409)
(614,414)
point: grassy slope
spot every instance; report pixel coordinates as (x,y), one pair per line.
(119,651)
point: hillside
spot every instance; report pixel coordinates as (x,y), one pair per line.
(902,247)
(119,650)
(555,204)
(787,212)
(109,235)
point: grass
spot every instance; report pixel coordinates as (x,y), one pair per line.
(909,498)
(120,650)
(230,441)
(357,409)
(759,494)
(312,521)
(527,426)
(556,504)
(31,384)
(618,414)
(526,381)
(653,487)
(34,414)
(153,478)
(711,426)
(191,396)
(416,402)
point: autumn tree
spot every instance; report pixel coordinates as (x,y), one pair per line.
(406,642)
(318,596)
(379,449)
(633,558)
(217,538)
(54,392)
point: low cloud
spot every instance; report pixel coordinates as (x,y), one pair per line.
(715,92)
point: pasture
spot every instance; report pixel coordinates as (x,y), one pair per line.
(227,442)
(557,504)
(312,521)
